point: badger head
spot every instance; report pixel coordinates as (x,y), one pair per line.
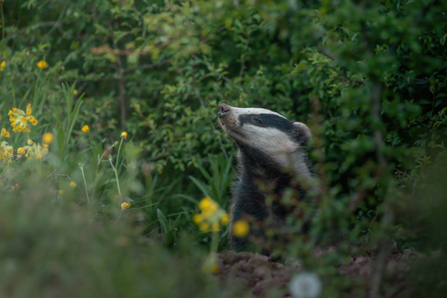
(266,138)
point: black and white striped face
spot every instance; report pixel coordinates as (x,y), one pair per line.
(265,131)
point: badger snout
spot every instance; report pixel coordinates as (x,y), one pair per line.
(224,110)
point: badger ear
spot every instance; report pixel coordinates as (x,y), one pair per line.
(303,132)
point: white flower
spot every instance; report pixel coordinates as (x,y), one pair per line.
(305,285)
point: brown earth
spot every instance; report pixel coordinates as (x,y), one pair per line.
(265,278)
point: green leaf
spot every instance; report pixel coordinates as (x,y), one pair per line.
(201,186)
(163,221)
(61,142)
(443,38)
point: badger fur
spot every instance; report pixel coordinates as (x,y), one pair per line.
(272,158)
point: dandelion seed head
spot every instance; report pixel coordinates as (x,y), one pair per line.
(305,285)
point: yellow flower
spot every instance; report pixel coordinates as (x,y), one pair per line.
(225,219)
(19,119)
(240,228)
(20,151)
(72,184)
(125,206)
(207,206)
(5,134)
(124,135)
(204,227)
(42,64)
(75,92)
(15,187)
(85,129)
(35,150)
(2,65)
(197,219)
(61,191)
(47,138)
(210,269)
(215,226)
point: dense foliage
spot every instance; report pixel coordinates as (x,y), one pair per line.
(368,78)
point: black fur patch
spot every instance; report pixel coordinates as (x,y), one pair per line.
(268,120)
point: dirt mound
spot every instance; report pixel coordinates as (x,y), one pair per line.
(266,278)
(255,272)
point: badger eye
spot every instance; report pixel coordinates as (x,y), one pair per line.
(257,121)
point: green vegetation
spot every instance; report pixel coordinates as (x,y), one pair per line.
(87,211)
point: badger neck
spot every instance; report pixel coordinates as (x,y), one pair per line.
(256,164)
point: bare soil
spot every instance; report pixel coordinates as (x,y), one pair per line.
(263,277)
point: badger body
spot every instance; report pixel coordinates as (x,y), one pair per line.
(272,158)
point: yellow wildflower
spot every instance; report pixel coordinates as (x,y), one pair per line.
(210,265)
(85,129)
(197,219)
(30,142)
(210,269)
(15,187)
(20,151)
(5,150)
(47,138)
(207,206)
(72,184)
(42,64)
(2,65)
(240,228)
(21,121)
(212,215)
(204,227)
(75,92)
(125,206)
(35,150)
(61,191)
(124,135)
(5,133)
(225,219)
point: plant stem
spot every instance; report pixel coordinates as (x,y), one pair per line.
(85,183)
(116,176)
(215,242)
(118,155)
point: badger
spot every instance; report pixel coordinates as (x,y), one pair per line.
(272,158)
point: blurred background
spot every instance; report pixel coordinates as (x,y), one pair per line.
(368,78)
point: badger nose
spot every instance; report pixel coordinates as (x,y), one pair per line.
(224,110)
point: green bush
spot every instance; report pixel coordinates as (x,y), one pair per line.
(368,77)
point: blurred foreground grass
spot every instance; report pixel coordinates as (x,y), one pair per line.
(57,249)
